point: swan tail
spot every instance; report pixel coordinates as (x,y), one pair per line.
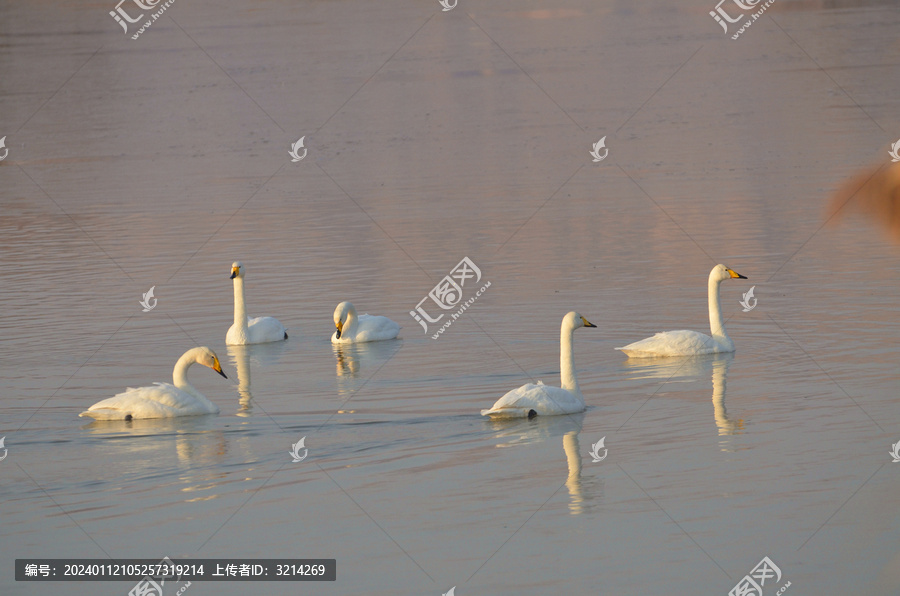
(509,412)
(636,351)
(105,414)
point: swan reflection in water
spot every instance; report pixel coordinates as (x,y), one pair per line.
(583,492)
(197,440)
(184,454)
(726,425)
(688,369)
(355,358)
(241,356)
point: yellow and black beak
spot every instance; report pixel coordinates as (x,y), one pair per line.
(735,274)
(587,323)
(234,272)
(218,367)
(340,327)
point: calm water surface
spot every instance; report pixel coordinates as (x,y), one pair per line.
(464,133)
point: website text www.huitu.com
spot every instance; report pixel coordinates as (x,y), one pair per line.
(753,18)
(466,304)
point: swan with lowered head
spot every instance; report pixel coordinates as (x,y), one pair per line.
(691,343)
(351,327)
(162,400)
(258,330)
(531,400)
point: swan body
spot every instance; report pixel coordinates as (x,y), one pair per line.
(543,400)
(351,327)
(246,330)
(691,343)
(162,400)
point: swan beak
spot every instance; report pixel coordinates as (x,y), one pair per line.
(735,274)
(218,368)
(340,327)
(234,272)
(587,323)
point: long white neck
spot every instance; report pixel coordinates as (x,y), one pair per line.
(567,360)
(350,325)
(716,323)
(240,309)
(179,375)
(179,378)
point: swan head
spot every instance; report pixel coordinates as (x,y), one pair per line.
(237,270)
(207,357)
(343,310)
(573,320)
(721,273)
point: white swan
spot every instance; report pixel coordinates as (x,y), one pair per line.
(531,400)
(258,330)
(691,343)
(162,400)
(359,328)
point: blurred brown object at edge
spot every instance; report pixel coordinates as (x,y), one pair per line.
(875,192)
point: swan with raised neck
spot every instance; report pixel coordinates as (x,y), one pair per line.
(531,399)
(692,343)
(246,330)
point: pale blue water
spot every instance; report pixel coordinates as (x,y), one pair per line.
(434,135)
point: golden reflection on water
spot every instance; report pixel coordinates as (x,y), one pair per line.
(241,356)
(726,425)
(583,492)
(688,369)
(200,450)
(191,438)
(573,482)
(366,358)
(347,362)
